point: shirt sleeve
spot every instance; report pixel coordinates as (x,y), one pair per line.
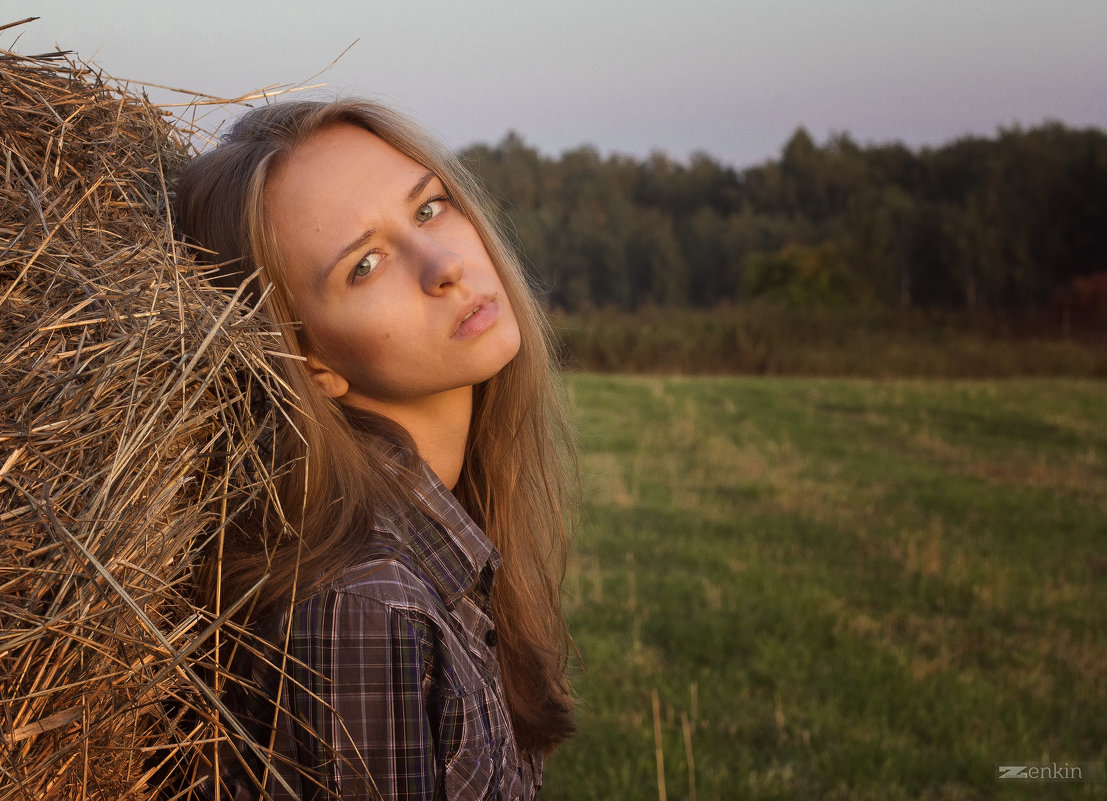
(369,664)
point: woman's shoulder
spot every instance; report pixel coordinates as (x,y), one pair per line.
(424,566)
(387,572)
(412,562)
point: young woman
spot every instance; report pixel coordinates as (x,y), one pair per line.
(412,600)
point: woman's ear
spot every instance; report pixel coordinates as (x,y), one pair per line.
(327,380)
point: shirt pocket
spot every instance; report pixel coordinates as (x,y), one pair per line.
(473,774)
(482,760)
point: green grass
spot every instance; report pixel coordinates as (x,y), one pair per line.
(839,588)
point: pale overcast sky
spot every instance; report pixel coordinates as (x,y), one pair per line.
(730,77)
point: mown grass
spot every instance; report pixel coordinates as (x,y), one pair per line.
(837,588)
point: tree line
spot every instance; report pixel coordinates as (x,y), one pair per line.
(1004,223)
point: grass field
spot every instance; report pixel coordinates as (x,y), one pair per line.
(837,588)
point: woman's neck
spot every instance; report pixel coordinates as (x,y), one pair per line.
(440,427)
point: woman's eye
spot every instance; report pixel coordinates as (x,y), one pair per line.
(430,209)
(366,265)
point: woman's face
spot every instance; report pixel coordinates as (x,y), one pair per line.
(399,299)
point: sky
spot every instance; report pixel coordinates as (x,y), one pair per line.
(732,78)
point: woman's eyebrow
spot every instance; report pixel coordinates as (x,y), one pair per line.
(420,185)
(363,240)
(357,244)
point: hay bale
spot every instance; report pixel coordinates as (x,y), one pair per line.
(126,440)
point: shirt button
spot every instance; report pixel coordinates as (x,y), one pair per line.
(491,638)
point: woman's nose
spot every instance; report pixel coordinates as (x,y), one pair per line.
(441,267)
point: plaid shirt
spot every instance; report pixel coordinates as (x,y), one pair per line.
(391,685)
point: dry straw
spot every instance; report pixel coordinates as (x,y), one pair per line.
(134,399)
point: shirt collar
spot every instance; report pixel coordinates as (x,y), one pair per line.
(450,546)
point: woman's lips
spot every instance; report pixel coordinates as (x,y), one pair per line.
(478,319)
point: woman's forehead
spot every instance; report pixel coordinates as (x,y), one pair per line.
(337,162)
(346,141)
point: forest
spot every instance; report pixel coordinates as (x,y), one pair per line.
(1002,225)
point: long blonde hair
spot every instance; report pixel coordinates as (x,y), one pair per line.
(513,482)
